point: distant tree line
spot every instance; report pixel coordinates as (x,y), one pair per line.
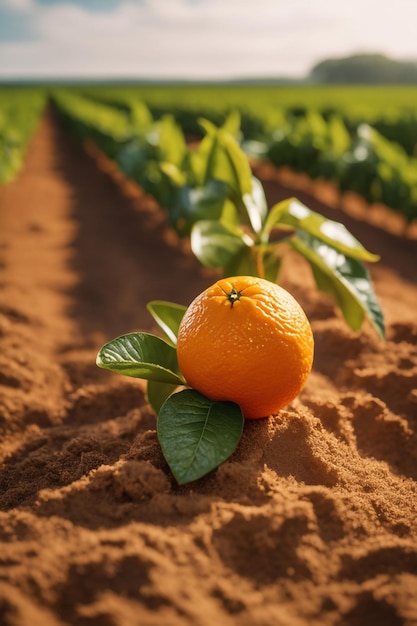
(365,69)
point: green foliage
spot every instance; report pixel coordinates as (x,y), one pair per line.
(380,171)
(343,277)
(264,108)
(151,156)
(20,111)
(107,127)
(210,194)
(239,241)
(312,129)
(335,256)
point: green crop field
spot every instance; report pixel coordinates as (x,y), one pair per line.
(359,103)
(363,139)
(372,100)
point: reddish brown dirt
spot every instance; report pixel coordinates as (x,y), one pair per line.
(313,519)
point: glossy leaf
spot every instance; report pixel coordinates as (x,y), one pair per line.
(214,244)
(256,205)
(168,316)
(197,434)
(141,355)
(194,204)
(292,212)
(347,280)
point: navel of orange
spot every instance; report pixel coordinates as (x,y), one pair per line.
(246,340)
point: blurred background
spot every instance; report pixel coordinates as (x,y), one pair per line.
(202,40)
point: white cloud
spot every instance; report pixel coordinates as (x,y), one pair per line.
(19,5)
(206,38)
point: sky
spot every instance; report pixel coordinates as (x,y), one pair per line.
(195,39)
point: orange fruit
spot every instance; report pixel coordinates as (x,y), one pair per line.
(246,340)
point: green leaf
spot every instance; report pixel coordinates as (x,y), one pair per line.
(158,392)
(214,244)
(232,164)
(171,144)
(197,434)
(242,264)
(230,217)
(200,203)
(256,205)
(141,355)
(347,280)
(220,157)
(232,123)
(168,316)
(208,126)
(201,160)
(207,202)
(176,175)
(140,117)
(292,212)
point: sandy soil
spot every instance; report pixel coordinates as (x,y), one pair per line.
(311,522)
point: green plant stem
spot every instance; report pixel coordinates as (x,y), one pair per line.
(260,263)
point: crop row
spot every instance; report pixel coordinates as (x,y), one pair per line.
(20,111)
(364,161)
(339,147)
(209,194)
(335,146)
(392,111)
